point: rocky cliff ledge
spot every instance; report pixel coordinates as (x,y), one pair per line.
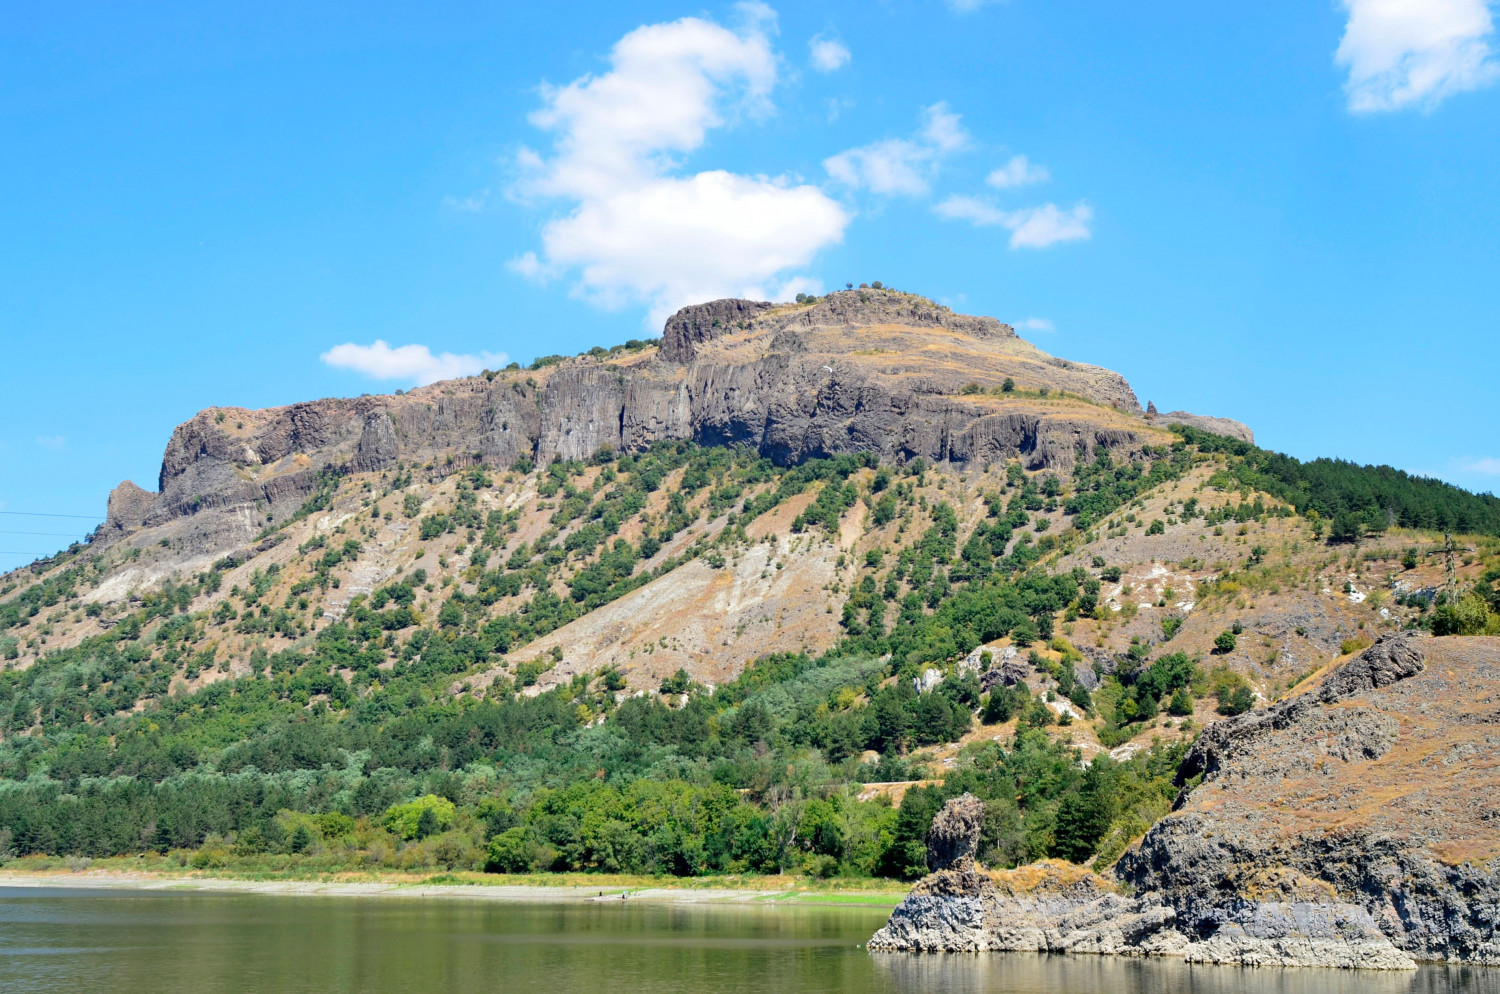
(1351,826)
(858,370)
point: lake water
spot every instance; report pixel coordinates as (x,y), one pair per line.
(140,942)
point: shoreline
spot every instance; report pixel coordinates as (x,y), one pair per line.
(572,889)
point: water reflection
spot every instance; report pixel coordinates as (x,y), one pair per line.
(1029,973)
(55,942)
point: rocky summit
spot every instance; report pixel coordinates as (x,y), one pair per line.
(857,371)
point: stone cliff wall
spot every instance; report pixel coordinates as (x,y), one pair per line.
(858,371)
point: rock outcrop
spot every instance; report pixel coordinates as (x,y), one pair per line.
(1219,426)
(1351,826)
(1066,910)
(1378,789)
(953,838)
(861,370)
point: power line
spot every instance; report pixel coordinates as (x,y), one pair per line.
(41,514)
(48,534)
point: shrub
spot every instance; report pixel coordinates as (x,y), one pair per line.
(1181,703)
(1008,386)
(678,683)
(1409,559)
(1236,701)
(1157,527)
(1470,616)
(418,819)
(1224,642)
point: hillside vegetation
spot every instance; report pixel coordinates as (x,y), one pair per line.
(385,679)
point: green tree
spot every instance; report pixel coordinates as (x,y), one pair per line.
(1235,701)
(1470,616)
(1084,816)
(430,812)
(1181,703)
(512,851)
(1224,642)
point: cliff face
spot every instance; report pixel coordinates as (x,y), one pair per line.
(860,370)
(1380,787)
(1055,907)
(1353,826)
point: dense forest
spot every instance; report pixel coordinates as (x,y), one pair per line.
(1354,498)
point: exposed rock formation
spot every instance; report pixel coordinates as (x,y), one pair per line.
(1378,788)
(129,506)
(1352,826)
(859,370)
(953,838)
(1219,426)
(1066,910)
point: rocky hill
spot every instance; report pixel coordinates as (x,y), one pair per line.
(862,370)
(756,598)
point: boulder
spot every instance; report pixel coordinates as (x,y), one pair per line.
(953,839)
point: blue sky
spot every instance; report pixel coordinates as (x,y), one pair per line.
(1282,212)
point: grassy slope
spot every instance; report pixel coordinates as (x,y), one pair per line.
(1268,573)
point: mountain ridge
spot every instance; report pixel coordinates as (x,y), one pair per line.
(860,370)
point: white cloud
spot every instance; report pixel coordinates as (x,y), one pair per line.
(891,166)
(641,231)
(1036,324)
(1039,227)
(974,210)
(1405,52)
(898,165)
(1017,172)
(836,106)
(968,6)
(1029,227)
(1487,466)
(940,127)
(415,363)
(51,441)
(827,54)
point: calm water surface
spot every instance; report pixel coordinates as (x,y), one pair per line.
(134,943)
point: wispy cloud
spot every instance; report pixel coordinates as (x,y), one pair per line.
(969,6)
(1029,227)
(640,230)
(412,363)
(473,203)
(899,165)
(51,441)
(1485,465)
(1402,53)
(1019,171)
(1036,324)
(827,54)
